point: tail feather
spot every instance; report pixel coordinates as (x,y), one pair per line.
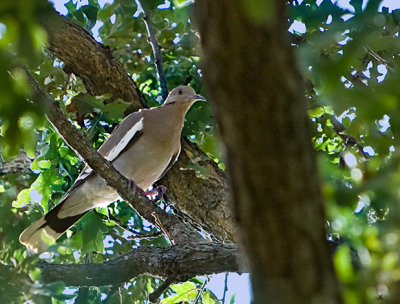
(39,236)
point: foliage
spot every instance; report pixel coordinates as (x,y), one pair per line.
(25,197)
(349,60)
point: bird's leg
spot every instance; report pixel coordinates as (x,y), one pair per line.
(133,187)
(157,193)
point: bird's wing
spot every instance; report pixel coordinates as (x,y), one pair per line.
(123,136)
(172,161)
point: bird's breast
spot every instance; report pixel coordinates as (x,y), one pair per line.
(146,160)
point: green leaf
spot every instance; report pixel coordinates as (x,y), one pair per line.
(90,12)
(44,164)
(207,298)
(342,262)
(92,233)
(185,292)
(71,7)
(183,3)
(24,197)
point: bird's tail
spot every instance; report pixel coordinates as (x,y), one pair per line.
(39,236)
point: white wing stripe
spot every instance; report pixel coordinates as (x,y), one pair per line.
(116,150)
(84,174)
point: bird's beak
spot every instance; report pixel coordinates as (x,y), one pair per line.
(199,97)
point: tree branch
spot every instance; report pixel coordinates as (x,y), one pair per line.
(347,139)
(153,297)
(200,259)
(225,287)
(91,61)
(19,164)
(156,51)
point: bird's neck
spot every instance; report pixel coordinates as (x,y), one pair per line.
(176,112)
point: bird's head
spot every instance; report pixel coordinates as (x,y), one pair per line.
(183,95)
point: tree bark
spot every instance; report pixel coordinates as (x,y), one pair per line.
(93,62)
(201,259)
(19,164)
(257,94)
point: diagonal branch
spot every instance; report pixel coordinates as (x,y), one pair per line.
(156,51)
(153,297)
(178,261)
(145,207)
(93,62)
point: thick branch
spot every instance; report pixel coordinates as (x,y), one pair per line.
(209,208)
(201,259)
(203,199)
(91,61)
(145,207)
(19,164)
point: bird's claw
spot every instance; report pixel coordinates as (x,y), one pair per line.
(157,193)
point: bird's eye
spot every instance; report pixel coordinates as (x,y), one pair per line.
(180,92)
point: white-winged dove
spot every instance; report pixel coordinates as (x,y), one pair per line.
(143,147)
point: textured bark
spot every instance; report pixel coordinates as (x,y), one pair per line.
(251,74)
(19,164)
(91,61)
(204,201)
(202,259)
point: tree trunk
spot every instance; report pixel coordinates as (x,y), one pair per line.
(257,95)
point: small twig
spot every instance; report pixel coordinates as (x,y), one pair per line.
(120,295)
(145,236)
(136,235)
(347,139)
(117,237)
(198,297)
(225,287)
(378,58)
(120,224)
(153,297)
(156,52)
(160,226)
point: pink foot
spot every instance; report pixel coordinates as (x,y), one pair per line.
(157,193)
